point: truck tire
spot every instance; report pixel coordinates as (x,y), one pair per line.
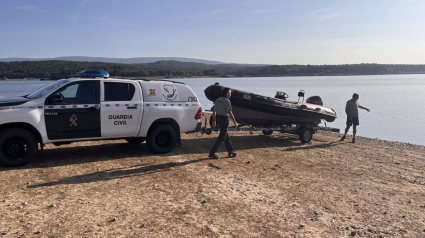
(135,140)
(161,139)
(306,134)
(267,132)
(17,147)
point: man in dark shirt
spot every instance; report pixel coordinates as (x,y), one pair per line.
(221,113)
(352,111)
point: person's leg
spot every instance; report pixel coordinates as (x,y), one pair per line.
(228,143)
(219,141)
(346,130)
(345,134)
(223,123)
(229,146)
(355,124)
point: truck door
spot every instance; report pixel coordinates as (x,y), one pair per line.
(121,109)
(73,111)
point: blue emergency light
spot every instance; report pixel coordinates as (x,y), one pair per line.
(94,74)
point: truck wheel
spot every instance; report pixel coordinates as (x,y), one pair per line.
(17,147)
(306,135)
(267,132)
(135,140)
(162,139)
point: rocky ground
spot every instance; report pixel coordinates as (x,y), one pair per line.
(276,187)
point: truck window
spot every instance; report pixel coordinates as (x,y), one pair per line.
(47,89)
(71,91)
(119,91)
(79,93)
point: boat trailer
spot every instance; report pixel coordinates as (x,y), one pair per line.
(304,131)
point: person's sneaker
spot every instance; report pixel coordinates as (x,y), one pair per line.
(354,140)
(342,138)
(233,154)
(214,156)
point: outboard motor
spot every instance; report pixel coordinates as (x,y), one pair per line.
(315,100)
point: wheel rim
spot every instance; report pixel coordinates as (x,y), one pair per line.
(163,139)
(307,135)
(16,148)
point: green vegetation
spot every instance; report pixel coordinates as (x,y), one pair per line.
(55,69)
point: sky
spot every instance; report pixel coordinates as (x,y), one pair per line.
(235,31)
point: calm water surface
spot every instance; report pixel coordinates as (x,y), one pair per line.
(396,101)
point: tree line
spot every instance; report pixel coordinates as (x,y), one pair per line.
(56,69)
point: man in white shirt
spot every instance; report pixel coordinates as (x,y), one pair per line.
(352,111)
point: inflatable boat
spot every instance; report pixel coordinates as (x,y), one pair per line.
(257,110)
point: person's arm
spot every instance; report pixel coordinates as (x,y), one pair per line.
(233,118)
(214,115)
(364,108)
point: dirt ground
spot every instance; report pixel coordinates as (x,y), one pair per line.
(275,187)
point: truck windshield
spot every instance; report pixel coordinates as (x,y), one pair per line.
(47,89)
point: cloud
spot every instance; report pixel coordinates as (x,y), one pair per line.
(264,11)
(314,13)
(329,16)
(106,19)
(30,8)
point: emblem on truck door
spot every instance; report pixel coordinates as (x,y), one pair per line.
(73,120)
(169,92)
(151,93)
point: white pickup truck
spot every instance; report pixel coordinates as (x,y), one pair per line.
(95,107)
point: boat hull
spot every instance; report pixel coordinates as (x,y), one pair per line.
(254,109)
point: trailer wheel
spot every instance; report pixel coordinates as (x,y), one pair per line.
(306,134)
(267,132)
(17,147)
(135,140)
(161,139)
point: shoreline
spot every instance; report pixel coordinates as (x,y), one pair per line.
(349,136)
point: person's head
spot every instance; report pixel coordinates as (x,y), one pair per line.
(355,97)
(226,92)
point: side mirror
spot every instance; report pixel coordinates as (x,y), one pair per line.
(55,98)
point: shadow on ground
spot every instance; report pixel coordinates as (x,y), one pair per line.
(58,156)
(201,145)
(117,173)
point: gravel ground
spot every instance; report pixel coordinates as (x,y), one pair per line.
(275,187)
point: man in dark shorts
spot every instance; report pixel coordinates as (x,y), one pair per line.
(352,111)
(221,113)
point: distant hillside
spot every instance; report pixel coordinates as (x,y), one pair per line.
(138,60)
(55,69)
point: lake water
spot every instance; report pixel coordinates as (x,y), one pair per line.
(396,101)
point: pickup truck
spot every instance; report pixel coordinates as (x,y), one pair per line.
(96,107)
